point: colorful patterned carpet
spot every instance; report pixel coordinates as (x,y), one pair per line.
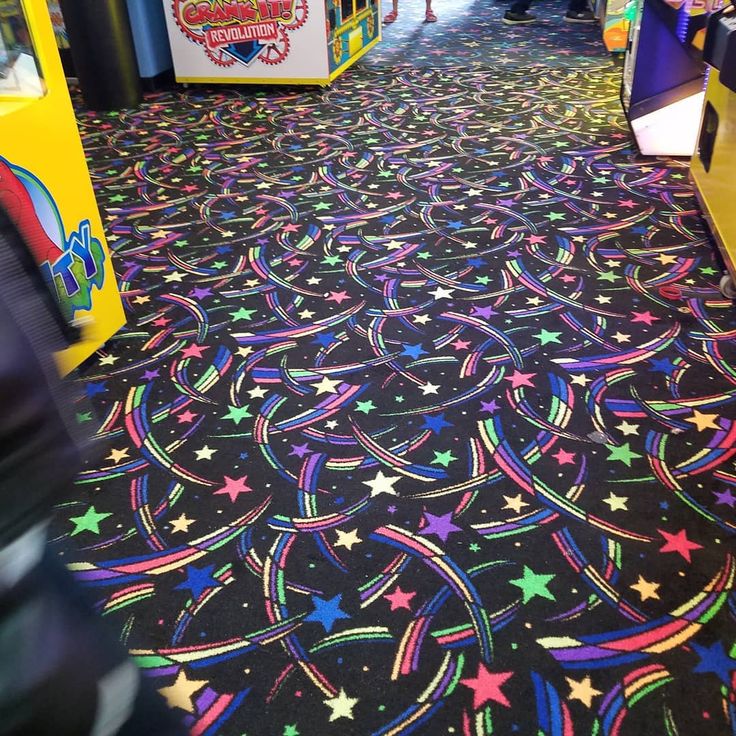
(405,433)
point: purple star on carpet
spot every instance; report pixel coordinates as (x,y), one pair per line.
(485,312)
(200,293)
(300,450)
(490,406)
(442,526)
(725,498)
(150,375)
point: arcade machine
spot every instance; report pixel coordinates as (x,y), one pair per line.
(269,41)
(614,21)
(714,164)
(44,181)
(664,75)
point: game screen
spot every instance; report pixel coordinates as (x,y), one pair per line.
(20,73)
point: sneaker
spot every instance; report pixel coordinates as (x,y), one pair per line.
(514,19)
(584,16)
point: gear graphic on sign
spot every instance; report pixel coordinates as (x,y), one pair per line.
(276,51)
(301,13)
(185,29)
(220,57)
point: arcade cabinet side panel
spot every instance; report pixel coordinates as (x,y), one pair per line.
(242,41)
(712,166)
(354,28)
(44,178)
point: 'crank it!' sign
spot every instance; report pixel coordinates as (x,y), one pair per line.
(241,31)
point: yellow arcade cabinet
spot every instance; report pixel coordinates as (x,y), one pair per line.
(713,168)
(44,181)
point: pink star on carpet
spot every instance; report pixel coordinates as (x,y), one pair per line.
(535,239)
(567,278)
(520,379)
(487,686)
(290,228)
(564,458)
(193,351)
(628,203)
(186,417)
(646,317)
(678,543)
(460,344)
(233,487)
(337,296)
(400,599)
(161,321)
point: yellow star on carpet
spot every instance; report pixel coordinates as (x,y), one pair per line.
(617,503)
(582,691)
(181,524)
(179,695)
(515,503)
(703,421)
(326,386)
(347,539)
(646,589)
(117,455)
(342,706)
(666,260)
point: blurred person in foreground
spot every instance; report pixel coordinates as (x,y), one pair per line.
(62,673)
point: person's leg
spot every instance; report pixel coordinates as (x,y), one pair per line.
(394,14)
(519,13)
(578,11)
(519,7)
(429,16)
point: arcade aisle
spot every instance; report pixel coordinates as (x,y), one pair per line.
(403,436)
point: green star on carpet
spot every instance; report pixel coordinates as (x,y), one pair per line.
(443,458)
(84,416)
(365,406)
(237,413)
(482,280)
(331,260)
(608,276)
(321,206)
(552,216)
(622,453)
(546,337)
(243,313)
(117,198)
(291,730)
(534,584)
(708,270)
(89,522)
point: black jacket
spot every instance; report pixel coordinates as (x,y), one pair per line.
(39,453)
